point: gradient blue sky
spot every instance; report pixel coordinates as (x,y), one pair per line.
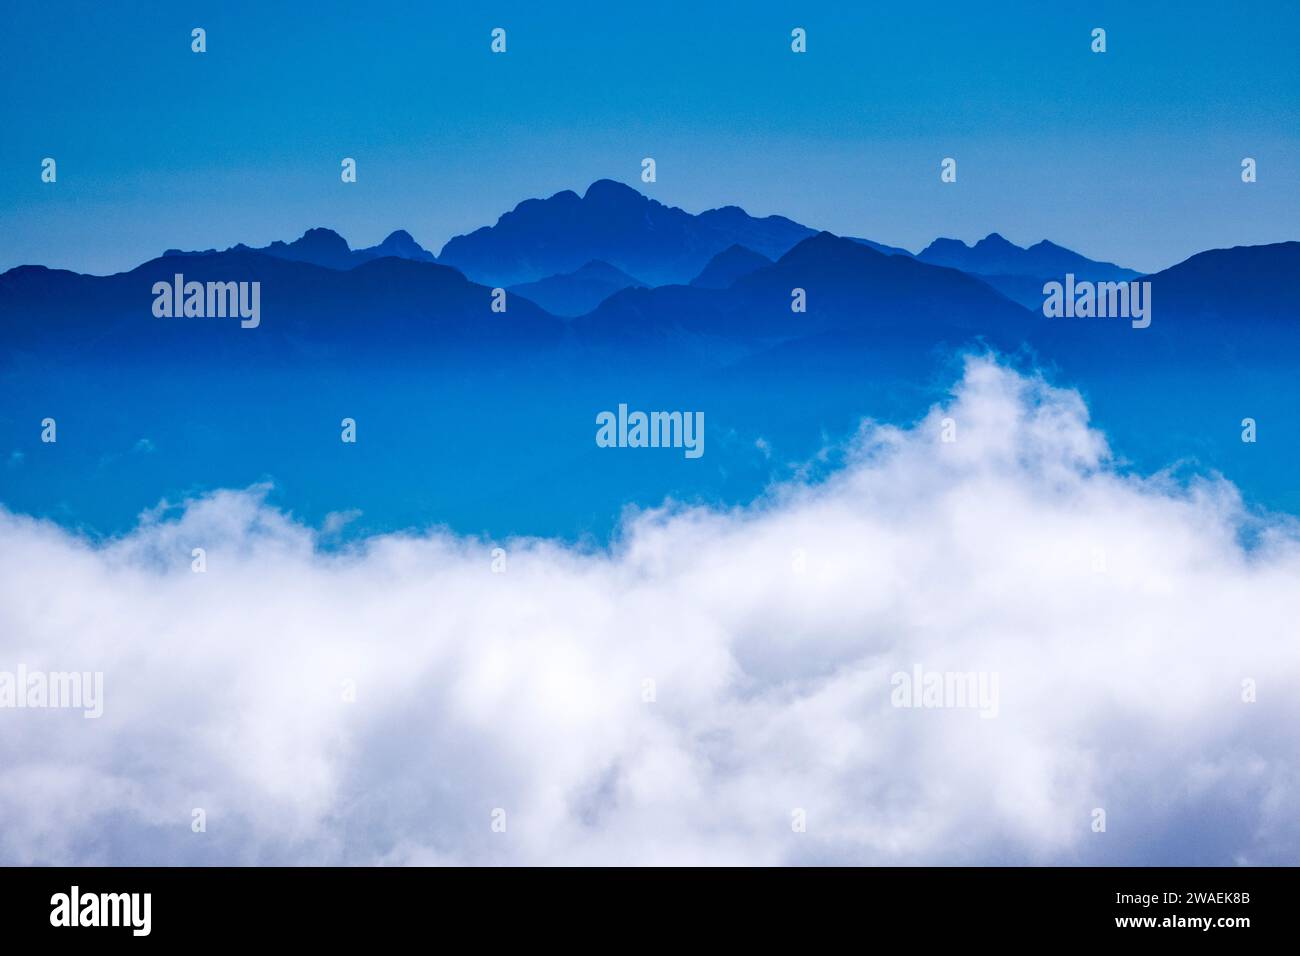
(1131,156)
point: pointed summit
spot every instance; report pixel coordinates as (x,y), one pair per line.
(399,243)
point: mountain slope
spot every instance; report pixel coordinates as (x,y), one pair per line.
(729,265)
(578,292)
(1234,286)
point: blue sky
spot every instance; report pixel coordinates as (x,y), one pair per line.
(1132,155)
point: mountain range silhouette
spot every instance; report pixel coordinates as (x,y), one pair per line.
(610,297)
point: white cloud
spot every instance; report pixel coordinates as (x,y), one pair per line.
(1121,614)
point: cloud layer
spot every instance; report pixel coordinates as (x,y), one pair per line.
(1122,615)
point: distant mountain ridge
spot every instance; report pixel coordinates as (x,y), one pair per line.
(721,289)
(994,255)
(737,291)
(568,253)
(387,306)
(616,224)
(848,288)
(1018,272)
(325,247)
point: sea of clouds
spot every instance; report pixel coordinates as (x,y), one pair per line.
(1122,614)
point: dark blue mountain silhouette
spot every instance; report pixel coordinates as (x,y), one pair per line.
(728,266)
(848,287)
(1017,272)
(386,306)
(1233,287)
(616,224)
(850,290)
(577,293)
(398,244)
(325,247)
(1219,311)
(994,255)
(322,247)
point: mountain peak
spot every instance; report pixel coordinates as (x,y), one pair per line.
(945,244)
(399,244)
(822,240)
(609,190)
(726,214)
(994,241)
(320,236)
(402,243)
(318,245)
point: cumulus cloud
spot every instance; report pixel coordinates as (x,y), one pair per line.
(686,694)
